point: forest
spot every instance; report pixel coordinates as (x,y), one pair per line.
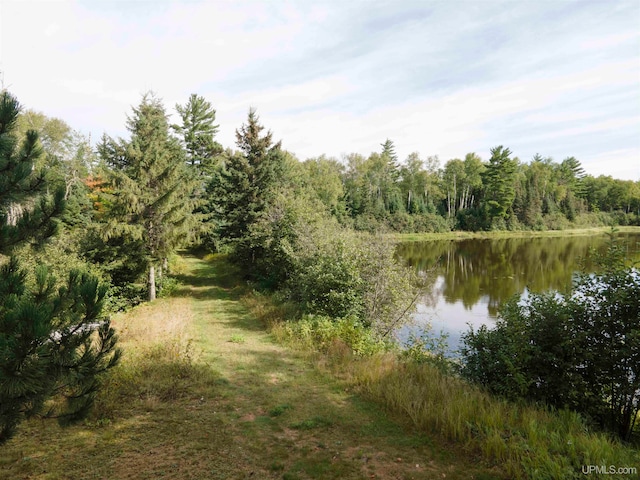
(86,231)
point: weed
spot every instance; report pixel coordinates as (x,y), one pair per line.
(279,410)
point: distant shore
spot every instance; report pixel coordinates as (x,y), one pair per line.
(460,235)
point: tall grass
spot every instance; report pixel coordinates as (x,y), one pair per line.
(159,361)
(527,442)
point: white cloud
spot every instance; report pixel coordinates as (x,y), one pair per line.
(621,163)
(336,77)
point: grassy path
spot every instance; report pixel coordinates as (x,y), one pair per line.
(245,407)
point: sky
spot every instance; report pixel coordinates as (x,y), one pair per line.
(559,78)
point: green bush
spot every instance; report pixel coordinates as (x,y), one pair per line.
(167,286)
(367,223)
(328,282)
(338,273)
(579,351)
(428,348)
(556,221)
(319,332)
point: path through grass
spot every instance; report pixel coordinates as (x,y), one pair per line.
(205,393)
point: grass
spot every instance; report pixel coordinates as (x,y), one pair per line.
(188,403)
(526,442)
(459,235)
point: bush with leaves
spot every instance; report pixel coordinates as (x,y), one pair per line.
(579,351)
(339,273)
(321,333)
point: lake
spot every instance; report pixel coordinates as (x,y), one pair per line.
(471,278)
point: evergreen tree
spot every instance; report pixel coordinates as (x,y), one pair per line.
(47,342)
(152,197)
(243,188)
(499,185)
(389,151)
(391,178)
(570,177)
(198,131)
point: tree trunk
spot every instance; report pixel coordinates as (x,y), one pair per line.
(152,283)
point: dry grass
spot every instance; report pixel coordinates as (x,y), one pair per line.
(156,323)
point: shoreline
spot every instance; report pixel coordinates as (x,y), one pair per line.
(463,235)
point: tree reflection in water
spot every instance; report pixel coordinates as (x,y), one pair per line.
(475,276)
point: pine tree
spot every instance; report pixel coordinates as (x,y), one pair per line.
(152,199)
(391,158)
(243,188)
(48,347)
(499,184)
(197,132)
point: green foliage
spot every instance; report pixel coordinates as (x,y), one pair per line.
(390,290)
(151,201)
(499,190)
(279,410)
(428,348)
(319,332)
(168,286)
(197,132)
(67,159)
(202,153)
(338,273)
(49,347)
(242,189)
(579,351)
(469,194)
(327,279)
(323,176)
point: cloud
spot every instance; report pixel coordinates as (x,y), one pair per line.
(559,78)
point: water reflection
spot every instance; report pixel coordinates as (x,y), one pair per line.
(473,277)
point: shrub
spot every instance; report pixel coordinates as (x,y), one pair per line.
(579,351)
(556,221)
(320,333)
(431,223)
(167,286)
(327,281)
(338,273)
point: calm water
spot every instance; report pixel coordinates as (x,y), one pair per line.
(472,278)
